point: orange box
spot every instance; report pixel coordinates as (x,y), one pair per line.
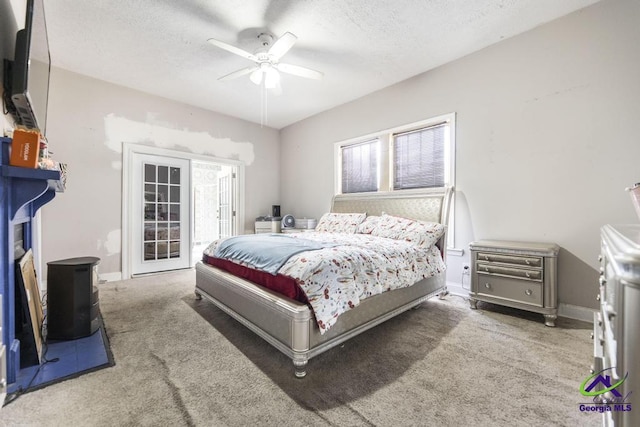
(25,148)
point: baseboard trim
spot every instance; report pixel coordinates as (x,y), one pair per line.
(576,312)
(110,277)
(569,311)
(457,289)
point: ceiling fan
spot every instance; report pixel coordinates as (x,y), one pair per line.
(267,61)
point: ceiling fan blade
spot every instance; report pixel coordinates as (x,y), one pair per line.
(239,73)
(282,45)
(297,70)
(233,49)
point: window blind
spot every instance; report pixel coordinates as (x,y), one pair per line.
(419,158)
(360,167)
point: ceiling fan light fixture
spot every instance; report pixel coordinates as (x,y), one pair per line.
(256,76)
(271,78)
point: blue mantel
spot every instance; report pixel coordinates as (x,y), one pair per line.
(22,192)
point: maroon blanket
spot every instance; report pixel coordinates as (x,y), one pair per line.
(280,283)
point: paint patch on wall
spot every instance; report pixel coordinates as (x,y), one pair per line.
(112,243)
(121,129)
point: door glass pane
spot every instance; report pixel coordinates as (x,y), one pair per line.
(149,173)
(163,211)
(162,250)
(149,193)
(174,194)
(174,249)
(149,231)
(175,231)
(163,174)
(175,175)
(149,251)
(150,211)
(163,231)
(174,212)
(163,193)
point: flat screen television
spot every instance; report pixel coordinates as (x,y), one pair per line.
(31,68)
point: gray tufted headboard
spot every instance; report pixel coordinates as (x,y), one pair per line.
(426,205)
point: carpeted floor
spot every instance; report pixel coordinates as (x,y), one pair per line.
(180,361)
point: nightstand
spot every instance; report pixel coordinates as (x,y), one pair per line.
(521,275)
(267,225)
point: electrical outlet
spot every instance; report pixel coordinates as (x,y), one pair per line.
(466,269)
(466,276)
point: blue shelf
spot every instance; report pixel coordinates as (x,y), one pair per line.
(28,173)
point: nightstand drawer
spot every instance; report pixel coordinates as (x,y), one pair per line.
(505,270)
(516,290)
(530,261)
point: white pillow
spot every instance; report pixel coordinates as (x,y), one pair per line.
(421,233)
(340,222)
(368,225)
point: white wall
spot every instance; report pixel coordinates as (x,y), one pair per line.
(89,120)
(8,29)
(546,138)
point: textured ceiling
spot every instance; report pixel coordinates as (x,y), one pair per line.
(160,46)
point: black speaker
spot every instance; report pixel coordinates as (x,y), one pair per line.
(72,298)
(275,210)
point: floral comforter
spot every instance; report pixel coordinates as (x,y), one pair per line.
(337,278)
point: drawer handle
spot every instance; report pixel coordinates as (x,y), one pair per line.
(528,292)
(527,273)
(526,261)
(487,285)
(486,258)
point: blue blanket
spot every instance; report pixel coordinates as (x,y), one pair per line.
(266,252)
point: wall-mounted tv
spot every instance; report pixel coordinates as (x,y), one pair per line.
(31,68)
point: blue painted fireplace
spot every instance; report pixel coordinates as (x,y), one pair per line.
(22,192)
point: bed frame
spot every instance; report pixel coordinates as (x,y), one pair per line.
(289,325)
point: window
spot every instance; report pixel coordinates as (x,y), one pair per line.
(360,167)
(418,158)
(414,156)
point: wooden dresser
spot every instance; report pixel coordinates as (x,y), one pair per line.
(616,337)
(522,275)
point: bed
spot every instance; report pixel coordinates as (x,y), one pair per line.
(290,325)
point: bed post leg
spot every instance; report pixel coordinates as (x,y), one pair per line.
(198,295)
(300,368)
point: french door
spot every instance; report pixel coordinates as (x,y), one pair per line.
(214,203)
(174,204)
(160,214)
